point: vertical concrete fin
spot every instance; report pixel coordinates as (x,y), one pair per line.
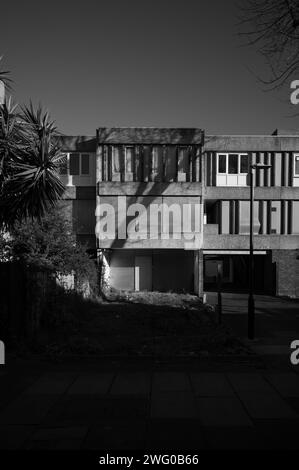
(2,353)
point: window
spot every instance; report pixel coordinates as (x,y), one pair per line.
(183,159)
(222,164)
(232,163)
(79,165)
(243,163)
(296,164)
(74,164)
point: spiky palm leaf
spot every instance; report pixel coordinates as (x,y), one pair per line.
(32,184)
(10,138)
(5,78)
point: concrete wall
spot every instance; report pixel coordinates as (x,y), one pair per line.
(287,272)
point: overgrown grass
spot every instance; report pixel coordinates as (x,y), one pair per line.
(138,324)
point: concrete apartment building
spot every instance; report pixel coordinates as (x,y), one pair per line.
(133,170)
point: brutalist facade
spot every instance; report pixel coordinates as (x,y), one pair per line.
(164,207)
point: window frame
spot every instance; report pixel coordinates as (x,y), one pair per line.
(296,156)
(80,174)
(240,154)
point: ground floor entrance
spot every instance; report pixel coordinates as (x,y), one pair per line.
(235,272)
(152,270)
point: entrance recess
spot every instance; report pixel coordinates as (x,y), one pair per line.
(143,273)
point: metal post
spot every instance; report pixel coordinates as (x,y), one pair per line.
(251,262)
(219,282)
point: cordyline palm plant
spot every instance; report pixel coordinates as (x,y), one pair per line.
(4,77)
(29,163)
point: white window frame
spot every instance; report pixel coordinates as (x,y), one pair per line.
(226,163)
(296,156)
(80,164)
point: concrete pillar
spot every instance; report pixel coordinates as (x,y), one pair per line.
(198,272)
(2,353)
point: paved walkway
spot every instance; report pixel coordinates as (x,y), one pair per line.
(146,405)
(175,408)
(276,321)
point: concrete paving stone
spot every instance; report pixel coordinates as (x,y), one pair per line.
(131,383)
(116,434)
(294,403)
(170,381)
(13,437)
(250,382)
(271,406)
(175,434)
(211,385)
(222,411)
(91,384)
(84,409)
(40,445)
(127,407)
(69,444)
(49,384)
(235,438)
(50,433)
(173,405)
(277,434)
(27,409)
(76,410)
(287,384)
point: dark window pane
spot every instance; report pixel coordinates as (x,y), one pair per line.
(221,163)
(233,163)
(74,164)
(85,164)
(244,164)
(297,165)
(183,159)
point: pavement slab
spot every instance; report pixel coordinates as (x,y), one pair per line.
(271,406)
(134,383)
(222,411)
(116,434)
(171,381)
(211,385)
(287,384)
(175,404)
(175,434)
(91,384)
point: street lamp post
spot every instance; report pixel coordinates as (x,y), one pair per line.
(251,306)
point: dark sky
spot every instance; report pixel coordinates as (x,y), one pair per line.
(138,63)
